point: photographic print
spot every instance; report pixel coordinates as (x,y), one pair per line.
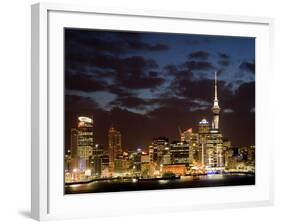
(153,111)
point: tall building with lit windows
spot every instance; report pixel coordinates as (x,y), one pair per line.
(214,155)
(180,153)
(192,139)
(114,146)
(203,132)
(158,148)
(203,127)
(85,141)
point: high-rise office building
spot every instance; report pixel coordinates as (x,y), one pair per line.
(203,131)
(192,139)
(96,159)
(114,146)
(85,141)
(135,157)
(158,148)
(203,127)
(180,153)
(214,154)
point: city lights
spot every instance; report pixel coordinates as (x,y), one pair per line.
(198,155)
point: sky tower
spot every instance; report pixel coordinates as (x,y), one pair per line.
(216,108)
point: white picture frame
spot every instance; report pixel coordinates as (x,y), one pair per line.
(48,201)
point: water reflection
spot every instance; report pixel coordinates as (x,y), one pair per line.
(183,182)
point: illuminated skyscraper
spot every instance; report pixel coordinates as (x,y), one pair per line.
(159,148)
(193,141)
(203,131)
(85,141)
(180,153)
(203,127)
(214,158)
(96,159)
(114,145)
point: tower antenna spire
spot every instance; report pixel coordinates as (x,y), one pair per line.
(216,88)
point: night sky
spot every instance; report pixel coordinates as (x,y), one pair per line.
(149,84)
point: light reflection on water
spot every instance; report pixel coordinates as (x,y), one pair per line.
(75,185)
(183,182)
(163,181)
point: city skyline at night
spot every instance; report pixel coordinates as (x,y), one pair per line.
(141,108)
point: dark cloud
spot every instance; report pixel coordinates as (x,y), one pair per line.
(85,83)
(224,63)
(244,98)
(150,47)
(134,72)
(99,54)
(133,102)
(99,41)
(120,91)
(199,65)
(92,41)
(223,56)
(203,90)
(171,69)
(103,61)
(142,83)
(192,89)
(202,75)
(196,68)
(179,72)
(223,59)
(202,55)
(83,104)
(247,66)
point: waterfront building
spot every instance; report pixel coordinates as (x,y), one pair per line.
(105,166)
(135,158)
(178,169)
(166,159)
(145,165)
(96,160)
(122,165)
